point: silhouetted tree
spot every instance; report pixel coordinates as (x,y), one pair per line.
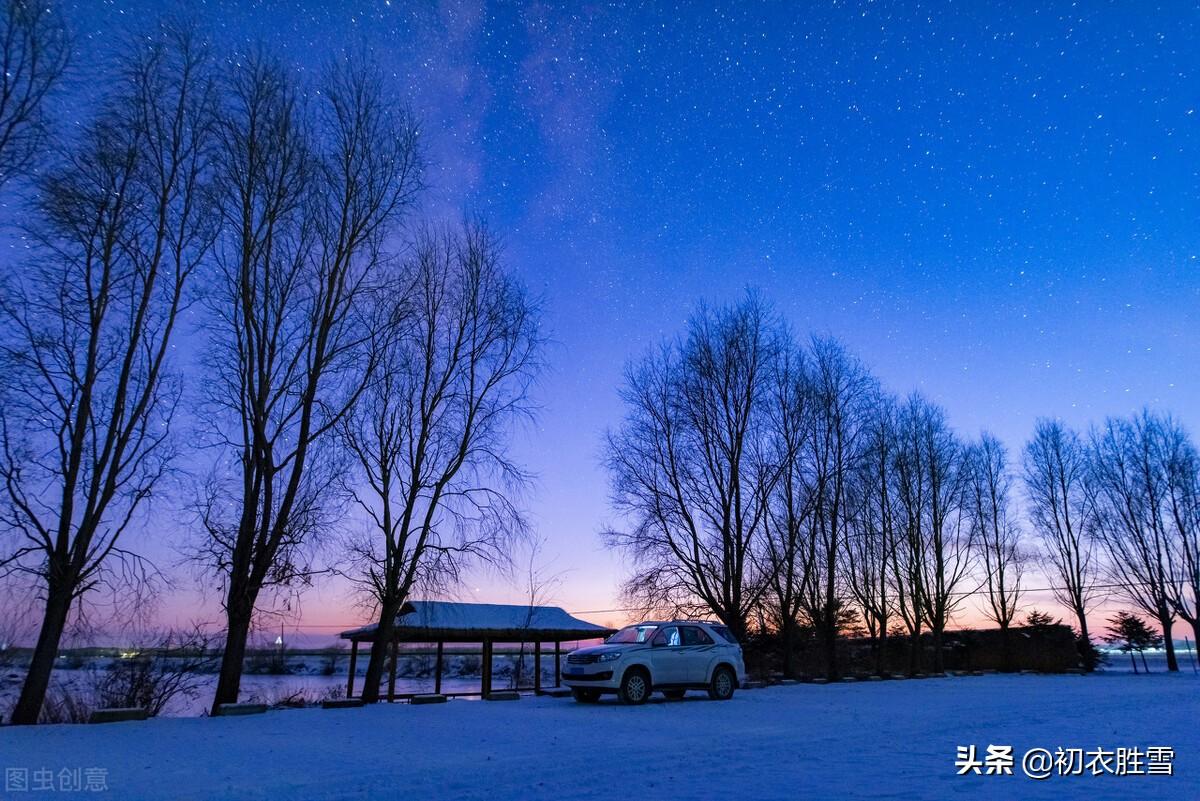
(1131,634)
(831,454)
(122,223)
(787,552)
(1181,474)
(458,350)
(872,539)
(1063,516)
(1037,619)
(995,533)
(1129,487)
(935,555)
(308,199)
(689,466)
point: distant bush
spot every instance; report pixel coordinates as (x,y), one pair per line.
(296,697)
(66,705)
(1045,646)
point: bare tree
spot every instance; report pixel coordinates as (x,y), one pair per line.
(688,466)
(935,553)
(540,587)
(908,552)
(1129,487)
(456,361)
(871,541)
(995,532)
(1062,514)
(787,552)
(90,396)
(34,50)
(1181,465)
(308,199)
(841,392)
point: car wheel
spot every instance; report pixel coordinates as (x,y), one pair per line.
(585,696)
(723,684)
(674,695)
(635,687)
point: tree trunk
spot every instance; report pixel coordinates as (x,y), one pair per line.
(1172,663)
(829,625)
(938,664)
(1005,650)
(1085,641)
(881,654)
(787,638)
(1133,661)
(737,627)
(1144,665)
(229,680)
(1195,639)
(914,652)
(1083,627)
(385,629)
(37,680)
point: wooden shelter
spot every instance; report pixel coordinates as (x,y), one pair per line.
(441,622)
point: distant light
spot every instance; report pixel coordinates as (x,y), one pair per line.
(279,640)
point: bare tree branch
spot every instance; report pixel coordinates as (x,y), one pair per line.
(34,51)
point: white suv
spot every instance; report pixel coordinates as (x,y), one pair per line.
(673,657)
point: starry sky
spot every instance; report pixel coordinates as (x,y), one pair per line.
(995,206)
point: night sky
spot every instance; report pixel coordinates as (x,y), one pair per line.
(997,208)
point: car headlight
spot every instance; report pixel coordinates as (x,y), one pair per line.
(609,657)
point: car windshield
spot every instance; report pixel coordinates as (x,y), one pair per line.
(633,634)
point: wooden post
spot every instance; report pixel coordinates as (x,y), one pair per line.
(392,676)
(437,671)
(537,668)
(557,663)
(353,664)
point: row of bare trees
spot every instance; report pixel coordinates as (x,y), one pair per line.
(775,484)
(355,371)
(1121,509)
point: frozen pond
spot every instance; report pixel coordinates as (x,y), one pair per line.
(309,679)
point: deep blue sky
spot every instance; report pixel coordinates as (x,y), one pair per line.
(998,207)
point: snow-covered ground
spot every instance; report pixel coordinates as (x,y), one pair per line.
(847,741)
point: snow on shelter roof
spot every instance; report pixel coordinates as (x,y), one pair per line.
(448,621)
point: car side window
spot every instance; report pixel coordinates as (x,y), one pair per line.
(668,635)
(693,635)
(725,634)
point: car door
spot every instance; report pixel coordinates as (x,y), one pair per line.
(697,653)
(667,657)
